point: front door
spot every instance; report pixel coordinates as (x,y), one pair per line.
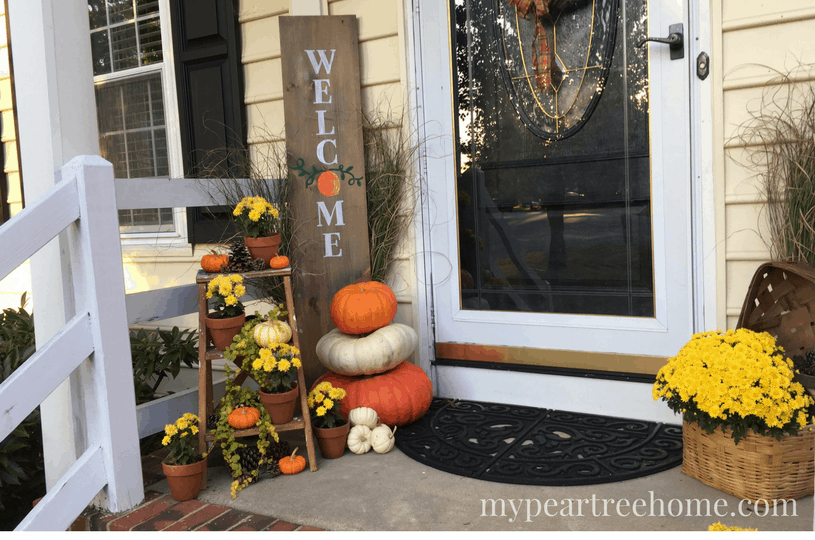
(558,172)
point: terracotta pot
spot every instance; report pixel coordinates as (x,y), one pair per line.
(332,440)
(264,247)
(223,330)
(185,480)
(280,406)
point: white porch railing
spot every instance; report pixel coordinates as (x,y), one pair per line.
(83,204)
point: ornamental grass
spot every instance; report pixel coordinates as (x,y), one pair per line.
(739,380)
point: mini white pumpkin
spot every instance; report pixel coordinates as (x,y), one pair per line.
(367,354)
(269,332)
(364,416)
(382,439)
(359,439)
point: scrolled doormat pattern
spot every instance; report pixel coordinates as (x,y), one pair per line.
(526,445)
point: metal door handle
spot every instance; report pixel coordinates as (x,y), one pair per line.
(675,39)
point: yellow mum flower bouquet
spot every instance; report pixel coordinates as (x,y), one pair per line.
(179,438)
(275,368)
(738,379)
(324,404)
(225,291)
(256,217)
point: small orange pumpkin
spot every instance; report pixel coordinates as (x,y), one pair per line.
(243,417)
(278,262)
(292,464)
(213,263)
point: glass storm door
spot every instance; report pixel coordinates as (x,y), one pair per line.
(563,221)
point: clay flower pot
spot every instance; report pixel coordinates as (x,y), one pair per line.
(332,440)
(185,480)
(264,247)
(223,330)
(280,406)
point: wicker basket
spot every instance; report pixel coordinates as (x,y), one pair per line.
(781,301)
(758,468)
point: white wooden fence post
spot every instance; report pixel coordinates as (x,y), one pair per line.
(107,380)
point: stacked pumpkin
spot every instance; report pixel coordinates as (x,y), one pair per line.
(366,355)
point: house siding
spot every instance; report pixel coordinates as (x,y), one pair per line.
(758,40)
(19,281)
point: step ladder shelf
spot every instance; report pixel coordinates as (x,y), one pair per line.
(206,405)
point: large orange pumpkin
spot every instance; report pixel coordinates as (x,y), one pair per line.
(363,307)
(399,396)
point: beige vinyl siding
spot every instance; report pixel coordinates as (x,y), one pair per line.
(19,281)
(382,81)
(758,40)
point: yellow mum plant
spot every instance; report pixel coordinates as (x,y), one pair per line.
(256,217)
(722,527)
(324,404)
(225,291)
(179,438)
(275,368)
(738,379)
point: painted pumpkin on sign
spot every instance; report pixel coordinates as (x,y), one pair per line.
(363,307)
(399,396)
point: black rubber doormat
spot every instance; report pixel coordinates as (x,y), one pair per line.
(526,445)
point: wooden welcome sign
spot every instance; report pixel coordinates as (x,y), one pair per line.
(323,111)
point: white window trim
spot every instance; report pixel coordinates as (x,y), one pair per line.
(139,242)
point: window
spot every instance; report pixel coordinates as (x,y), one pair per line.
(132,99)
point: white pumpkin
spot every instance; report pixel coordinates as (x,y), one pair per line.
(376,352)
(364,416)
(269,332)
(382,439)
(359,439)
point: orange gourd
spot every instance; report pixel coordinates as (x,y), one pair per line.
(292,464)
(243,417)
(399,396)
(213,263)
(278,262)
(363,307)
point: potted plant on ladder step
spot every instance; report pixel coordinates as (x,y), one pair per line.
(228,316)
(257,219)
(184,466)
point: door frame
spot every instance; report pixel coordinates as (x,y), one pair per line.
(703,256)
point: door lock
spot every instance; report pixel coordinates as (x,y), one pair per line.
(675,39)
(702,66)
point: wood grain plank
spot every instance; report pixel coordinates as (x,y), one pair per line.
(323,117)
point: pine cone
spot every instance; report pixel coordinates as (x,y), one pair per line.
(239,258)
(258,264)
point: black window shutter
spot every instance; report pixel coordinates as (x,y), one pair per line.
(209,79)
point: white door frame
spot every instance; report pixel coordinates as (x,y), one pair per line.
(629,398)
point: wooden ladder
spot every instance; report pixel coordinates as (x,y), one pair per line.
(206,405)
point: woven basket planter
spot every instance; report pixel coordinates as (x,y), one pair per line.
(759,467)
(781,302)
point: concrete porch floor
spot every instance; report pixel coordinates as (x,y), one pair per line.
(393,492)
